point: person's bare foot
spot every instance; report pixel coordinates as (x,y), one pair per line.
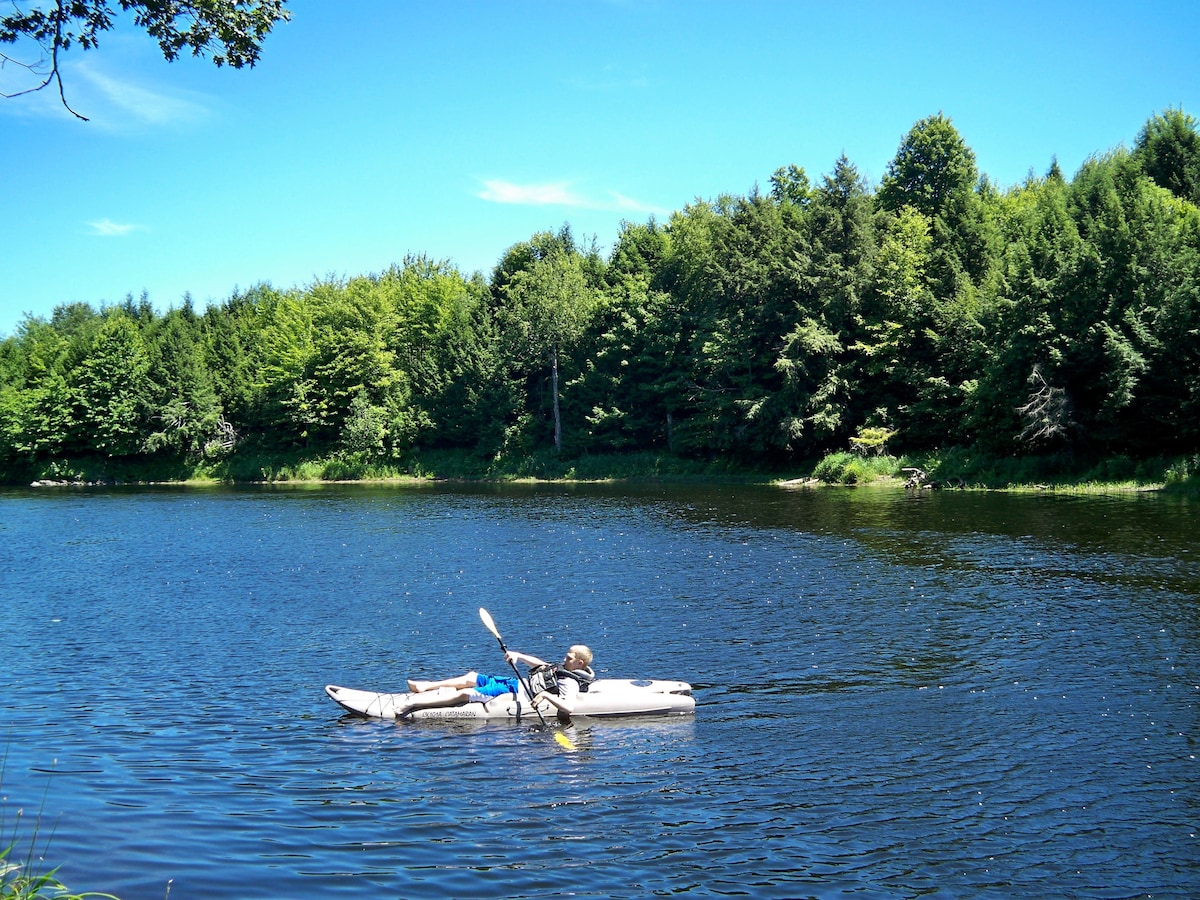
(417,687)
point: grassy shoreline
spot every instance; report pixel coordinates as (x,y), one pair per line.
(957,469)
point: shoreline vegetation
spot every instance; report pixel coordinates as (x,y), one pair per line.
(952,470)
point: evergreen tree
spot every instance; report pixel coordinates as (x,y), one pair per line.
(187,417)
(1168,148)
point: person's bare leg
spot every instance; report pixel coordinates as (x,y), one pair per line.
(460,683)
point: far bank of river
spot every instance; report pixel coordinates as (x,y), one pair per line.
(955,469)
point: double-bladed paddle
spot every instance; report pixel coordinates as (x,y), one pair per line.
(491,626)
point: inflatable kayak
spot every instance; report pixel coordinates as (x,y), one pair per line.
(604,697)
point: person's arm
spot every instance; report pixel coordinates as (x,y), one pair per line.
(564,701)
(532,661)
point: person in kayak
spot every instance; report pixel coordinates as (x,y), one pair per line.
(557,683)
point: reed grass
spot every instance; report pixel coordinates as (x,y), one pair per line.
(18,882)
(22,880)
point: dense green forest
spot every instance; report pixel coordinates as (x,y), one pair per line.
(934,310)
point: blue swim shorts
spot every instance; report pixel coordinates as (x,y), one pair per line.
(495,686)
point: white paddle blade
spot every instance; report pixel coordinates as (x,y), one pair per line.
(487,621)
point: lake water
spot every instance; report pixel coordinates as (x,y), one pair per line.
(957,694)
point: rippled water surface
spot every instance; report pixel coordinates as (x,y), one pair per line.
(957,694)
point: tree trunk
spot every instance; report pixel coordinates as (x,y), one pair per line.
(554,391)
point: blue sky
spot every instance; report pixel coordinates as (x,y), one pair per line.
(376,128)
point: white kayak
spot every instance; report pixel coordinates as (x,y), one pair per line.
(604,697)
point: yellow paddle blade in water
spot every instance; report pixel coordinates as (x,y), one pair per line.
(564,740)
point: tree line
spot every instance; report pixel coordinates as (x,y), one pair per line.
(932,310)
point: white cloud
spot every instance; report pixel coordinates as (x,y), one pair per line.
(560,193)
(109,228)
(24,103)
(127,100)
(112,99)
(552,194)
(628,204)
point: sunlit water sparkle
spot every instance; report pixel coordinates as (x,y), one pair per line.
(957,695)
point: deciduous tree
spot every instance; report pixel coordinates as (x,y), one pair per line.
(547,302)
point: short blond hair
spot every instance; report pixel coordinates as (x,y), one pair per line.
(581,653)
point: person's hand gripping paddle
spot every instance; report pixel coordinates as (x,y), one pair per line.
(490,623)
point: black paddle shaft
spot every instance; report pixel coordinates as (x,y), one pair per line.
(491,626)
